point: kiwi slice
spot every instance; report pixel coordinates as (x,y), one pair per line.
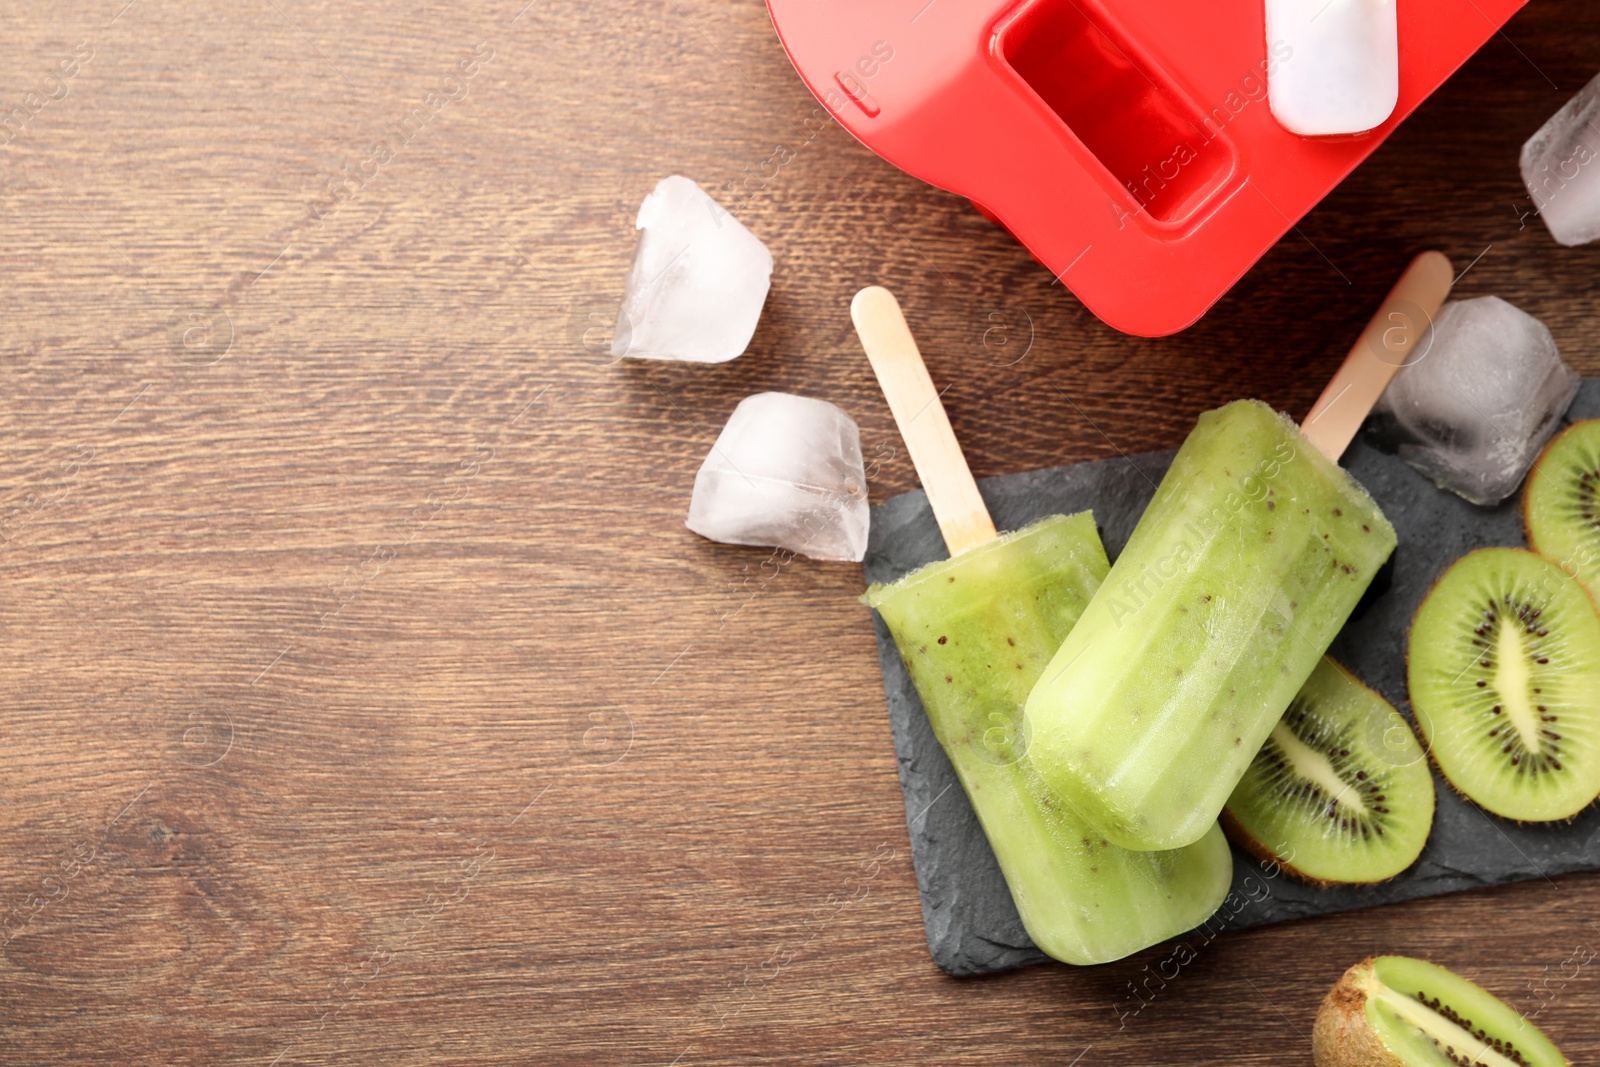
(1504,672)
(1393,1011)
(1340,791)
(1561,505)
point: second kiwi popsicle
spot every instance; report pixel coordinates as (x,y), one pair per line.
(1254,552)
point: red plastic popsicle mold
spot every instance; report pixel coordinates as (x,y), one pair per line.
(1126,143)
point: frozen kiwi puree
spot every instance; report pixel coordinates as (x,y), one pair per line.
(975,632)
(1250,558)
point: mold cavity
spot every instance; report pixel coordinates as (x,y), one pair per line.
(1141,129)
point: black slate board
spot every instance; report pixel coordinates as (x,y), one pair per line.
(973,927)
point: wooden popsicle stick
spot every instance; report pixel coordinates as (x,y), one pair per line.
(1402,320)
(961,513)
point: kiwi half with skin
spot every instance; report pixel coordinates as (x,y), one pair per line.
(1561,504)
(1504,671)
(1340,791)
(1394,1011)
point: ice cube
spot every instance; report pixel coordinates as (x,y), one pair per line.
(785,471)
(1482,393)
(1561,168)
(698,280)
(1333,66)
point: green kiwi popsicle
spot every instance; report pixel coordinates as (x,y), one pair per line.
(1253,553)
(1248,561)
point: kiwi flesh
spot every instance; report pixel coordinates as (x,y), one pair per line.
(1503,666)
(1340,791)
(1561,504)
(1394,1011)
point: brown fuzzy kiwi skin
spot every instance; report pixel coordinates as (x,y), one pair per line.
(1248,841)
(1236,833)
(1422,738)
(1341,1036)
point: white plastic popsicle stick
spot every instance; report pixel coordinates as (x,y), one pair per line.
(1401,321)
(1333,66)
(961,513)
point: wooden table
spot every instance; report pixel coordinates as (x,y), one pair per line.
(367,700)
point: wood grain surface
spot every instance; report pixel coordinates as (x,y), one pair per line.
(367,701)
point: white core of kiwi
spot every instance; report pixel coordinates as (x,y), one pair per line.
(1446,1033)
(1513,681)
(1309,763)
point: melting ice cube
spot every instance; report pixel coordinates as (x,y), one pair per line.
(785,471)
(1561,168)
(1334,64)
(698,281)
(1473,407)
